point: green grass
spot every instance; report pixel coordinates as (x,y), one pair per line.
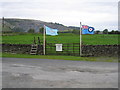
(73,58)
(63,38)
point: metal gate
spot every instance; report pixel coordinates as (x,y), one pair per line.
(72,49)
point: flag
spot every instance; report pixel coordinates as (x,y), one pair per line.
(50,31)
(87,30)
(85,26)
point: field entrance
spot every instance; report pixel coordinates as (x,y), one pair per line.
(72,49)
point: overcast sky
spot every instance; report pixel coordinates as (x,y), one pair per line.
(100,14)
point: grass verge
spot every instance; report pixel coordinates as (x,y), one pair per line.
(73,58)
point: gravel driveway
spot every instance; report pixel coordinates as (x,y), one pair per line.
(46,73)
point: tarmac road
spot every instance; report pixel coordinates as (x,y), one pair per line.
(46,73)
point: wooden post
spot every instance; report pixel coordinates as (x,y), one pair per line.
(39,40)
(34,41)
(68,48)
(3,22)
(44,40)
(39,46)
(80,39)
(73,49)
(51,46)
(79,48)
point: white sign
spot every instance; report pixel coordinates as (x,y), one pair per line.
(58,47)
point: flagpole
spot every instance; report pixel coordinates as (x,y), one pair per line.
(80,39)
(44,41)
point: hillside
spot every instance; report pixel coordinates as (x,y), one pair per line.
(27,24)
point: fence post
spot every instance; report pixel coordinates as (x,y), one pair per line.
(34,41)
(73,49)
(68,48)
(38,40)
(2,22)
(45,47)
(79,49)
(51,46)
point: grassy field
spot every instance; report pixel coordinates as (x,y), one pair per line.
(73,58)
(63,38)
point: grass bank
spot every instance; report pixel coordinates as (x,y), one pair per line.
(73,58)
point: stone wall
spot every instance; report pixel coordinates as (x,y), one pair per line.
(95,50)
(101,50)
(19,48)
(16,48)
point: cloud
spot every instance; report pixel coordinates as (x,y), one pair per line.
(70,13)
(67,1)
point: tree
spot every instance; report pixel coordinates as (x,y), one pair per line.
(97,32)
(114,32)
(31,31)
(105,31)
(76,31)
(41,30)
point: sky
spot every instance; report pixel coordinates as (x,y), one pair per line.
(100,14)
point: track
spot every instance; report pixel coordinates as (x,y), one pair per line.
(44,73)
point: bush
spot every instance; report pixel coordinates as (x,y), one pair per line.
(41,30)
(76,31)
(105,31)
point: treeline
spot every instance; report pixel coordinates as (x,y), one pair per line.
(114,32)
(106,31)
(99,32)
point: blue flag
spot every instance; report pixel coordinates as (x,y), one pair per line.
(50,31)
(87,30)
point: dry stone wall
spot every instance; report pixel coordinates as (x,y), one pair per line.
(95,50)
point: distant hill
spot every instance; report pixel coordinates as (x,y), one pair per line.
(26,24)
(73,27)
(7,26)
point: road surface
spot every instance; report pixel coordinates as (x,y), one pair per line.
(46,73)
